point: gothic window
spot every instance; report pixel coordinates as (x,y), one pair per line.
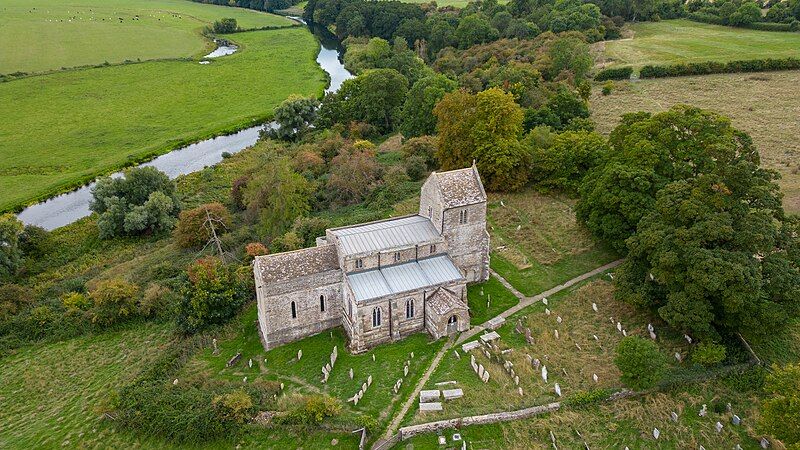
(396,256)
(322,303)
(433,248)
(294,311)
(376,317)
(409,308)
(359,263)
(462,216)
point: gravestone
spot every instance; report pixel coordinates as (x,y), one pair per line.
(373,357)
(433,406)
(405,371)
(619,326)
(736,420)
(703,411)
(674,416)
(544,373)
(528,337)
(559,319)
(282,386)
(594,377)
(214,343)
(688,338)
(516,380)
(578,347)
(485,377)
(234,359)
(412,355)
(536,363)
(547,311)
(653,335)
(555,333)
(519,389)
(544,300)
(175,382)
(466,347)
(250,363)
(625,333)
(557,388)
(369,380)
(351,373)
(458,355)
(481,370)
(452,394)
(244,380)
(718,426)
(656,433)
(678,357)
(299,354)
(764,443)
(328,367)
(594,307)
(429,395)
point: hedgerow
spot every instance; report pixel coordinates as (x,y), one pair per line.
(712,67)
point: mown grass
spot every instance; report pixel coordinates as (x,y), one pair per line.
(676,41)
(305,375)
(537,243)
(65,128)
(623,423)
(568,364)
(765,105)
(46,35)
(487,300)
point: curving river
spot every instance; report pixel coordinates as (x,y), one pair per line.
(67,208)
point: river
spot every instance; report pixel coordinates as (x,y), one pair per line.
(67,208)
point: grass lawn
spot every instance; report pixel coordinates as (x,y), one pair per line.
(570,366)
(537,242)
(487,300)
(45,35)
(305,375)
(765,105)
(676,41)
(67,127)
(624,423)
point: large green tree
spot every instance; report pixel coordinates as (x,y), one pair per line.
(10,253)
(417,117)
(276,195)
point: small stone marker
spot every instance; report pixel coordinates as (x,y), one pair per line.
(488,337)
(619,326)
(234,359)
(481,370)
(559,319)
(369,380)
(625,333)
(544,300)
(282,386)
(412,355)
(351,373)
(656,433)
(519,389)
(214,343)
(364,386)
(485,377)
(452,394)
(373,357)
(528,337)
(250,363)
(674,416)
(764,443)
(544,373)
(557,388)
(442,440)
(547,311)
(703,411)
(653,335)
(175,382)
(536,363)
(594,307)
(718,426)
(244,380)
(328,367)
(516,380)
(299,354)
(678,357)
(688,338)
(594,377)
(736,420)
(405,371)
(555,332)
(458,356)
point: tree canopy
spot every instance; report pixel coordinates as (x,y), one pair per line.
(417,117)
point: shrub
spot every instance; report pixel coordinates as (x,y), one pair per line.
(711,67)
(641,363)
(112,301)
(10,254)
(13,298)
(416,167)
(287,242)
(309,410)
(423,147)
(212,294)
(195,225)
(708,354)
(236,407)
(608,87)
(237,192)
(583,398)
(34,241)
(158,301)
(254,249)
(77,301)
(143,201)
(226,25)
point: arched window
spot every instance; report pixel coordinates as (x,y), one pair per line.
(409,308)
(462,216)
(322,303)
(294,311)
(453,319)
(376,317)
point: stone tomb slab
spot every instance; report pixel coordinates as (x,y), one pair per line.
(488,337)
(429,395)
(431,406)
(471,345)
(452,394)
(495,322)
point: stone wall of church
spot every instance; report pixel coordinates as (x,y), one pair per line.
(468,243)
(309,294)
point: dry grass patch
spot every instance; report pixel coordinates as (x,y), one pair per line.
(765,105)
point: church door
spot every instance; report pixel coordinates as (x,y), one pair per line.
(452,324)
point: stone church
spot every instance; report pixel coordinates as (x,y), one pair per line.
(383,280)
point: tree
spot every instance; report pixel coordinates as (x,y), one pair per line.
(294,115)
(641,363)
(113,301)
(227,25)
(10,254)
(143,201)
(475,29)
(780,411)
(484,127)
(417,117)
(647,153)
(354,173)
(569,53)
(375,97)
(567,159)
(276,195)
(194,228)
(747,14)
(212,293)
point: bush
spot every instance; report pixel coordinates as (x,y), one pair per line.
(711,67)
(212,294)
(309,410)
(226,25)
(113,301)
(158,301)
(34,242)
(237,192)
(708,354)
(583,398)
(76,301)
(621,73)
(423,147)
(236,407)
(608,87)
(14,298)
(194,227)
(254,249)
(416,167)
(641,363)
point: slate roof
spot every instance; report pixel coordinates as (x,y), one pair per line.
(403,277)
(443,301)
(295,264)
(460,187)
(385,234)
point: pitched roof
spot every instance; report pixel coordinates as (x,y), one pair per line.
(295,264)
(385,234)
(460,187)
(403,277)
(443,301)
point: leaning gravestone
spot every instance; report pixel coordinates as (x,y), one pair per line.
(299,354)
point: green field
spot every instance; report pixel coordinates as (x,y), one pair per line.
(675,41)
(67,127)
(51,34)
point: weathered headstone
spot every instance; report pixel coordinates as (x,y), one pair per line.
(369,380)
(234,359)
(485,377)
(282,386)
(718,426)
(678,357)
(555,333)
(299,354)
(433,406)
(736,420)
(250,363)
(703,411)
(373,357)
(674,416)
(544,300)
(481,370)
(656,433)
(594,307)
(244,380)
(688,338)
(519,389)
(547,311)
(214,343)
(516,380)
(544,373)
(351,373)
(557,388)
(405,371)
(625,332)
(458,356)
(764,442)
(594,377)
(175,382)
(328,367)
(536,363)
(653,335)
(619,327)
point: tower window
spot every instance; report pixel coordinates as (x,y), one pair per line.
(322,303)
(430,212)
(376,317)
(294,311)
(396,256)
(409,308)
(462,216)
(433,248)
(359,263)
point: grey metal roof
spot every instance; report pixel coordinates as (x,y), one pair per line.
(386,234)
(403,277)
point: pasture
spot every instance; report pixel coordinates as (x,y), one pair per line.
(676,41)
(65,128)
(765,105)
(49,35)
